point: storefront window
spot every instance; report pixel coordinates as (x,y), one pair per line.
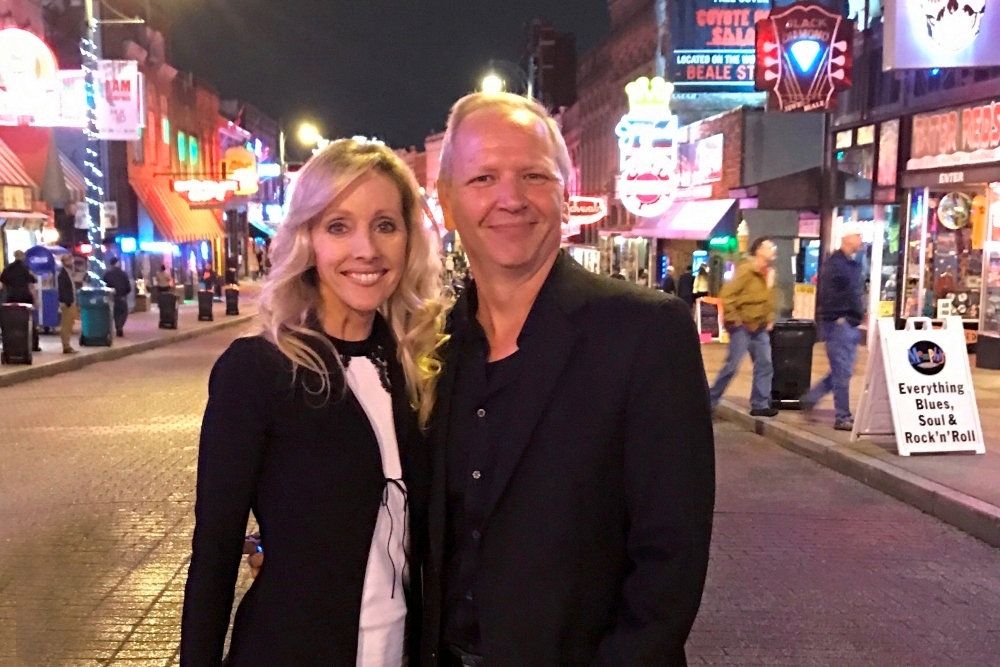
(855,170)
(991,263)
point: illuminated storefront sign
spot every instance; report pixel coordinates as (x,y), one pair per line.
(959,136)
(647,153)
(585,211)
(941,33)
(16,198)
(700,162)
(33,91)
(206,192)
(713,44)
(241,166)
(804,56)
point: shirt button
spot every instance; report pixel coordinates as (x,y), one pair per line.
(476,474)
(480,413)
(476,534)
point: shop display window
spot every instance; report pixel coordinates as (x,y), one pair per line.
(854,174)
(879,255)
(946,261)
(991,263)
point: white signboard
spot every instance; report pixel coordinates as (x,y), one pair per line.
(921,34)
(918,387)
(109,215)
(119,100)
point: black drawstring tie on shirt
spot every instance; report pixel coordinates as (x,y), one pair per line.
(398,483)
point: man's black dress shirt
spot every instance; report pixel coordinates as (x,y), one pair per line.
(482,407)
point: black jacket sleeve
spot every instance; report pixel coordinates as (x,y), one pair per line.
(234,434)
(67,293)
(670,490)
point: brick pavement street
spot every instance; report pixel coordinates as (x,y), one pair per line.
(96,495)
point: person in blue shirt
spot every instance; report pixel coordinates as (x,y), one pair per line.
(841,310)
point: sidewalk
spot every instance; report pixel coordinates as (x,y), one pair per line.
(960,489)
(142,333)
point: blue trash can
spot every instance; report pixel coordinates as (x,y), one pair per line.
(96,316)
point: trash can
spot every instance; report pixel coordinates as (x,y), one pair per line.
(96,316)
(232,301)
(792,352)
(17,323)
(205,298)
(189,291)
(166,303)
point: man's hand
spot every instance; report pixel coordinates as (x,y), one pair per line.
(770,326)
(841,320)
(255,553)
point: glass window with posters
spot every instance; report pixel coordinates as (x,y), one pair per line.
(991,265)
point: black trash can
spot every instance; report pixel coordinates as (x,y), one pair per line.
(167,303)
(792,352)
(189,291)
(17,324)
(232,301)
(205,298)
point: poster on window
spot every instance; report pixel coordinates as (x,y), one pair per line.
(118,100)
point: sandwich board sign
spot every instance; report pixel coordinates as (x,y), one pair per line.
(918,388)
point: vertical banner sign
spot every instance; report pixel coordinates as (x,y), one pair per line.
(647,152)
(109,215)
(713,44)
(118,100)
(918,387)
(804,56)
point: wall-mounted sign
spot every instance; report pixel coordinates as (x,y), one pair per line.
(804,56)
(713,44)
(28,72)
(888,153)
(197,191)
(700,162)
(109,215)
(119,100)
(586,210)
(268,170)
(959,136)
(647,153)
(941,33)
(16,198)
(241,166)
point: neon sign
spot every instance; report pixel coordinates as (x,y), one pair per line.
(587,210)
(804,56)
(647,152)
(206,192)
(241,166)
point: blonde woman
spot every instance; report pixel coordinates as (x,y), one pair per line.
(315,426)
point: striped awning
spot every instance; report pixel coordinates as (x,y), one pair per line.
(74,179)
(174,219)
(12,171)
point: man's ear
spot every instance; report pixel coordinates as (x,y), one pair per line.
(443,199)
(565,209)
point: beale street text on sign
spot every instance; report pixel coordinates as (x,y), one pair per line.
(713,44)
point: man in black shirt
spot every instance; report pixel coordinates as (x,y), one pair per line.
(117,279)
(18,280)
(571,508)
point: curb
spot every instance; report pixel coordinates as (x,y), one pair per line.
(976,517)
(29,373)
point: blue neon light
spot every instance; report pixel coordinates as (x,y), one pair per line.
(128,244)
(804,53)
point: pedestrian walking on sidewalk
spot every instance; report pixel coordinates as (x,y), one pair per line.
(748,308)
(315,425)
(118,280)
(685,287)
(18,281)
(68,309)
(841,309)
(163,281)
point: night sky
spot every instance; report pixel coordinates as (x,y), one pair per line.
(385,68)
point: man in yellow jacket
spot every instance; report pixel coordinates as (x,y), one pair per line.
(748,307)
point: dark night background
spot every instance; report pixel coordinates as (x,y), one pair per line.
(385,68)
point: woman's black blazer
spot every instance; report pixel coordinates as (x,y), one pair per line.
(311,472)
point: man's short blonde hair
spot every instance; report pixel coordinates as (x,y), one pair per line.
(506,104)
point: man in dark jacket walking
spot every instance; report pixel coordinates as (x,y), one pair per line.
(68,310)
(117,279)
(685,287)
(840,313)
(18,280)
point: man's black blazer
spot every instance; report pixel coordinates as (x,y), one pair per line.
(595,549)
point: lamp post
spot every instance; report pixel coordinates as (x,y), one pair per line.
(494,81)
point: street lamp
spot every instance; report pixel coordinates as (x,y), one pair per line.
(309,134)
(492,84)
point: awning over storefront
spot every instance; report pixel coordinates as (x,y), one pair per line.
(12,172)
(32,222)
(174,219)
(75,183)
(695,220)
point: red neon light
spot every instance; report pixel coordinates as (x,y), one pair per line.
(85,248)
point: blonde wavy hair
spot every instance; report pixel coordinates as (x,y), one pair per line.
(290,301)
